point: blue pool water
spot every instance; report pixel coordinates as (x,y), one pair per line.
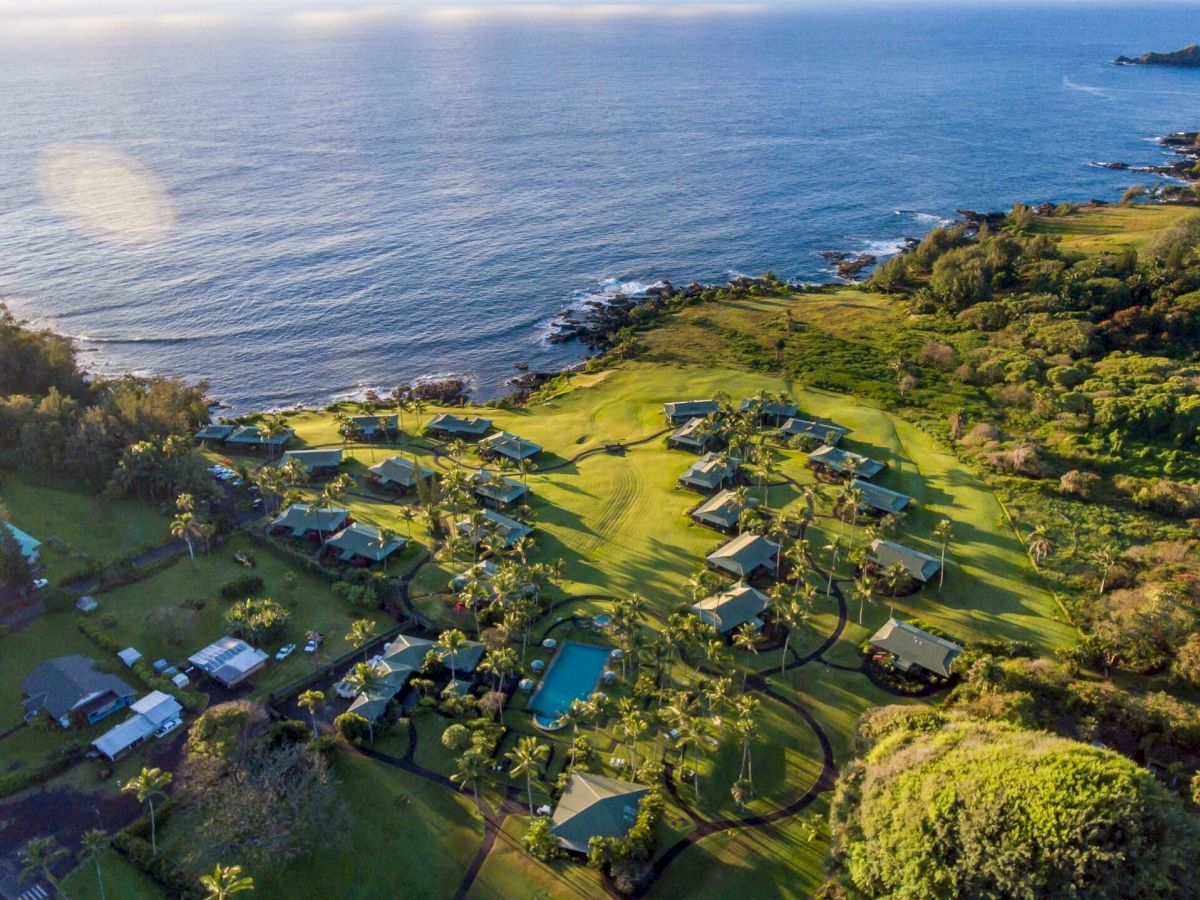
(572,675)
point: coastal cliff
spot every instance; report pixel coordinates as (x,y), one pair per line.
(1188,58)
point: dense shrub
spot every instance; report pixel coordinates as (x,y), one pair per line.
(241,587)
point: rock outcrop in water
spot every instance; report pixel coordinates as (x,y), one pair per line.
(1184,144)
(1188,58)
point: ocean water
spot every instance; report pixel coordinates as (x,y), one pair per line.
(308,208)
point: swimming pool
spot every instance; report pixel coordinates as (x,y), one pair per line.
(572,675)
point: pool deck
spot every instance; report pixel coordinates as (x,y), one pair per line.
(538,718)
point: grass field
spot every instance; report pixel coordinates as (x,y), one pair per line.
(121,881)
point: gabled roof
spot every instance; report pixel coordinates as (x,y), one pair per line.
(919,565)
(398,470)
(29,544)
(121,737)
(880,498)
(595,806)
(484,570)
(314,459)
(452,424)
(368,425)
(845,461)
(821,431)
(372,704)
(158,707)
(707,471)
(913,646)
(248,434)
(228,659)
(690,408)
(732,608)
(497,487)
(509,529)
(410,651)
(366,541)
(776,408)
(722,509)
(745,555)
(694,431)
(65,683)
(214,432)
(302,518)
(511,446)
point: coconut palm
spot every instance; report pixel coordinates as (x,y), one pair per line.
(835,548)
(747,639)
(797,556)
(293,472)
(224,882)
(500,662)
(942,533)
(1039,544)
(310,700)
(270,429)
(791,614)
(472,766)
(360,634)
(865,587)
(1105,557)
(745,726)
(39,856)
(449,642)
(894,576)
(632,726)
(527,758)
(363,679)
(150,785)
(186,527)
(92,846)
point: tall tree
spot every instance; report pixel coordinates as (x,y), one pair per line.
(311,700)
(92,846)
(149,785)
(527,758)
(39,857)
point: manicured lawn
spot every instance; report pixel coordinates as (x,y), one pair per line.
(1111,229)
(121,881)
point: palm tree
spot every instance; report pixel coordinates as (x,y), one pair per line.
(527,758)
(835,548)
(386,538)
(293,472)
(224,882)
(310,700)
(895,575)
(747,639)
(791,615)
(1105,557)
(633,726)
(1039,544)
(363,679)
(745,725)
(342,421)
(271,428)
(361,632)
(594,706)
(94,841)
(471,768)
(186,526)
(450,642)
(150,785)
(942,533)
(865,586)
(797,556)
(39,856)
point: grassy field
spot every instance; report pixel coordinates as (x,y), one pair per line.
(1112,229)
(121,881)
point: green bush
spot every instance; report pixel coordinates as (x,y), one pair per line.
(241,587)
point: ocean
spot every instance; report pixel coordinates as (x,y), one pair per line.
(304,208)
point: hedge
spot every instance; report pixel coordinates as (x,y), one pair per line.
(188,699)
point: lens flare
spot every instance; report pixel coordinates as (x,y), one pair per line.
(106,194)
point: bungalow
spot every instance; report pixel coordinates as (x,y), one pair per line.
(228,661)
(302,519)
(397,473)
(595,806)
(155,714)
(410,651)
(879,498)
(770,412)
(496,490)
(710,473)
(722,511)
(818,431)
(29,544)
(248,437)
(918,565)
(451,426)
(373,703)
(913,647)
(370,427)
(484,570)
(316,463)
(509,530)
(70,691)
(681,410)
(746,556)
(363,544)
(730,609)
(509,446)
(694,434)
(214,432)
(844,462)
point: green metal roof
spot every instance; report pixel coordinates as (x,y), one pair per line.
(913,646)
(919,565)
(302,518)
(366,541)
(314,459)
(732,608)
(595,806)
(398,470)
(452,424)
(515,448)
(745,554)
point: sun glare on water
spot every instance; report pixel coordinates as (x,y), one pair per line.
(106,194)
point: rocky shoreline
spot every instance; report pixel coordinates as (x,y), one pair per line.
(1185,58)
(1181,143)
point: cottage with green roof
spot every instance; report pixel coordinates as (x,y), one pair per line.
(509,446)
(844,462)
(370,427)
(497,491)
(448,425)
(360,544)
(408,650)
(745,557)
(303,519)
(770,412)
(918,565)
(681,410)
(880,499)
(695,435)
(248,437)
(723,510)
(317,463)
(595,806)
(912,647)
(397,473)
(820,432)
(509,530)
(730,609)
(710,473)
(215,432)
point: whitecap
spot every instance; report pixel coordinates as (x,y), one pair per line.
(1068,82)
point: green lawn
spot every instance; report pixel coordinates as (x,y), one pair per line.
(121,881)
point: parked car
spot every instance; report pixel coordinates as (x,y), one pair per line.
(285,651)
(311,646)
(39,583)
(345,691)
(167,727)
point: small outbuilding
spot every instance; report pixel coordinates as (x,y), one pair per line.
(912,647)
(595,806)
(745,557)
(129,656)
(157,713)
(87,603)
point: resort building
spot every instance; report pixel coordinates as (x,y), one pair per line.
(680,411)
(745,557)
(484,570)
(155,714)
(711,472)
(214,433)
(509,530)
(303,519)
(731,609)
(880,499)
(595,806)
(912,647)
(410,651)
(509,446)
(397,473)
(722,511)
(818,431)
(834,459)
(770,412)
(248,437)
(29,544)
(361,545)
(497,491)
(70,691)
(466,428)
(316,463)
(918,565)
(694,434)
(370,427)
(228,661)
